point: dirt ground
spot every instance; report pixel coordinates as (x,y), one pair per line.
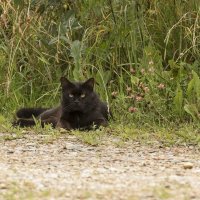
(33,168)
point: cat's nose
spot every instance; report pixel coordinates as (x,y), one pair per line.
(77,101)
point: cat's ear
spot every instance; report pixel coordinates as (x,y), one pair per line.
(89,83)
(65,83)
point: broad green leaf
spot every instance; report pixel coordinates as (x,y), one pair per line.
(196,84)
(190,88)
(191,110)
(76,48)
(105,75)
(178,100)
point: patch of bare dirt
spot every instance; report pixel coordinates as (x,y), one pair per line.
(69,169)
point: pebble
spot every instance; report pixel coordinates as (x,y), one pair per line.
(187,165)
(10,151)
(3,186)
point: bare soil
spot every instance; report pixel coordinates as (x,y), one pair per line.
(32,167)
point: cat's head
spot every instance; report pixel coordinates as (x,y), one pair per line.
(78,96)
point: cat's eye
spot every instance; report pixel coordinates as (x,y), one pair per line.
(82,95)
(71,95)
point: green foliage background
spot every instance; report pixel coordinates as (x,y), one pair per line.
(144,55)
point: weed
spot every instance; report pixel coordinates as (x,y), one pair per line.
(27,190)
(93,138)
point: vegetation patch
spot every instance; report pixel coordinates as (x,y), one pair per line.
(144,56)
(27,190)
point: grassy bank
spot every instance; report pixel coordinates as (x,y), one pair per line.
(143,54)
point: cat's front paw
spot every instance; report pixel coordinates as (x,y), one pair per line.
(63,125)
(101,122)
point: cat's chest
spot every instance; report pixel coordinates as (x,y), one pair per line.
(78,120)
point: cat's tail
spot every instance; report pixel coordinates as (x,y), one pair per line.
(25,116)
(32,122)
(26,113)
(24,123)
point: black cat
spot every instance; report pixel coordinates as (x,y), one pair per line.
(80,108)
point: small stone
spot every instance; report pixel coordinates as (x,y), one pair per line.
(30,144)
(3,186)
(179,174)
(10,151)
(144,164)
(167,186)
(187,165)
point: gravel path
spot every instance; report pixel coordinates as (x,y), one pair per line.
(69,169)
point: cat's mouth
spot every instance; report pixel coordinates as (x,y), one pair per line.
(76,108)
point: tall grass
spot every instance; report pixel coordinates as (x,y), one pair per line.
(143,54)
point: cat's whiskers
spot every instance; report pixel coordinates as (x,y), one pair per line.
(67,107)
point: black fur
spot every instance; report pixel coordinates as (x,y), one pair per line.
(80,112)
(29,112)
(80,108)
(24,123)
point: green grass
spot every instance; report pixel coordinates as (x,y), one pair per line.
(27,190)
(144,56)
(116,133)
